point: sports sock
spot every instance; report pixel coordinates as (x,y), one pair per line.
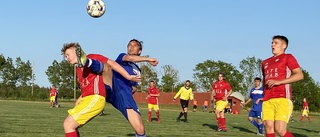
(224,122)
(301,118)
(149,116)
(185,114)
(271,135)
(143,135)
(288,134)
(95,65)
(158,115)
(219,122)
(180,115)
(309,118)
(72,134)
(260,127)
(254,123)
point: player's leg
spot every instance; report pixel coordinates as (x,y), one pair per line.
(283,111)
(182,102)
(70,127)
(302,115)
(135,120)
(260,123)
(156,109)
(149,112)
(307,115)
(222,117)
(252,114)
(185,110)
(268,117)
(217,113)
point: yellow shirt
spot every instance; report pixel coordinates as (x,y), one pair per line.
(186,94)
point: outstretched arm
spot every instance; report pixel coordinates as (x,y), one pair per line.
(115,66)
(135,58)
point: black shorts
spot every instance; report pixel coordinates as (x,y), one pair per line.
(195,106)
(184,103)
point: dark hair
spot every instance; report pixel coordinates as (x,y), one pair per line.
(221,73)
(151,81)
(257,78)
(139,42)
(188,81)
(283,38)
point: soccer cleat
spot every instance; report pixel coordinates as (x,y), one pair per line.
(81,57)
(224,130)
(186,121)
(259,134)
(158,120)
(219,129)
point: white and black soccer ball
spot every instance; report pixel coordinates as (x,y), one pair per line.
(96,8)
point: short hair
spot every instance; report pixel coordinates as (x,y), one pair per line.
(283,38)
(257,78)
(187,81)
(151,81)
(69,45)
(139,42)
(221,73)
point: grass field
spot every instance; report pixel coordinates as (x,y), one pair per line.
(36,119)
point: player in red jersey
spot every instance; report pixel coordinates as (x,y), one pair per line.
(52,96)
(92,72)
(153,94)
(221,89)
(305,110)
(278,72)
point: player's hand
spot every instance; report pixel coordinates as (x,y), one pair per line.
(271,83)
(224,98)
(153,61)
(257,101)
(174,99)
(135,78)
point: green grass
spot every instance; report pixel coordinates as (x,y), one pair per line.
(36,119)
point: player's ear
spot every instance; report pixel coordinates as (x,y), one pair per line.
(139,52)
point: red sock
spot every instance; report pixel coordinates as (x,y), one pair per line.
(149,116)
(309,118)
(219,122)
(72,134)
(271,135)
(223,123)
(301,118)
(50,104)
(158,115)
(288,134)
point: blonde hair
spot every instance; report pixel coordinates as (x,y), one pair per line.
(68,45)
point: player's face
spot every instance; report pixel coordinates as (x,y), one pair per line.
(278,47)
(257,83)
(134,48)
(151,84)
(220,77)
(187,84)
(304,100)
(71,56)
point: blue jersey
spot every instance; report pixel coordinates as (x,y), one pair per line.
(120,96)
(255,94)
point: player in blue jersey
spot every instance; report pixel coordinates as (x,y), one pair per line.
(120,93)
(256,96)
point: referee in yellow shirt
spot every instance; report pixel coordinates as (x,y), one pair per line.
(185,94)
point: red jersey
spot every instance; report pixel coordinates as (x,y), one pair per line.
(221,88)
(278,68)
(90,82)
(53,92)
(305,105)
(153,99)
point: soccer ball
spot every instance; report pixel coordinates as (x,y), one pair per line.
(96,8)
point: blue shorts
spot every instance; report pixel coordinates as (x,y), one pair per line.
(121,97)
(255,114)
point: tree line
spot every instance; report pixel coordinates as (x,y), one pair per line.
(16,79)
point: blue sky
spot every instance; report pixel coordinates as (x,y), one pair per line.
(181,33)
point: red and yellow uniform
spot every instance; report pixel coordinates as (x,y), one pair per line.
(221,89)
(277,103)
(93,93)
(153,100)
(52,94)
(305,109)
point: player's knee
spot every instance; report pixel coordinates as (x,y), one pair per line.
(281,131)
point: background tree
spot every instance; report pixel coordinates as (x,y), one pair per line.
(207,72)
(306,88)
(147,74)
(170,77)
(251,68)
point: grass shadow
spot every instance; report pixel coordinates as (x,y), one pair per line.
(214,127)
(244,129)
(307,130)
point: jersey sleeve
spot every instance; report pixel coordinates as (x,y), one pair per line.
(292,62)
(175,97)
(119,58)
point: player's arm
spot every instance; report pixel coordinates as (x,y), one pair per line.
(191,94)
(115,66)
(213,93)
(228,94)
(78,101)
(135,58)
(175,97)
(248,101)
(296,76)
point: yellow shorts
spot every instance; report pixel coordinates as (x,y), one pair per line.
(155,107)
(277,109)
(52,98)
(305,112)
(88,107)
(221,105)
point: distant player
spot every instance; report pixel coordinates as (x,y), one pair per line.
(56,98)
(205,105)
(256,96)
(305,110)
(185,94)
(221,89)
(52,96)
(195,105)
(153,94)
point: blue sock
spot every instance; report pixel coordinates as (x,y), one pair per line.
(95,65)
(143,135)
(255,123)
(260,127)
